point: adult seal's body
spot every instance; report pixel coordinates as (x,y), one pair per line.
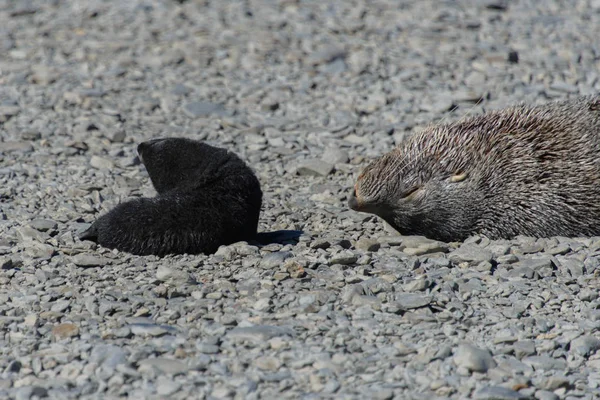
(207,197)
(523,170)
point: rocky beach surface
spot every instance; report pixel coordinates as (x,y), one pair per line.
(327,302)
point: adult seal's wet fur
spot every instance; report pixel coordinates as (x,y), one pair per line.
(523,170)
(207,197)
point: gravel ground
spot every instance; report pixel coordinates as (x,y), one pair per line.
(330,303)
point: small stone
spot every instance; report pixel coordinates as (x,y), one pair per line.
(66,330)
(28,392)
(163,364)
(295,269)
(314,167)
(108,355)
(426,248)
(60,306)
(259,333)
(344,258)
(545,363)
(335,156)
(267,363)
(40,251)
(166,386)
(498,393)
(89,261)
(207,348)
(470,253)
(43,225)
(274,260)
(409,301)
(26,234)
(263,304)
(101,163)
(473,358)
(585,345)
(554,382)
(147,329)
(320,244)
(524,348)
(165,273)
(418,285)
(546,395)
(14,366)
(366,244)
(16,147)
(204,109)
(564,87)
(588,295)
(31,320)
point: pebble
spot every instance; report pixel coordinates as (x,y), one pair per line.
(198,109)
(585,345)
(43,225)
(367,244)
(546,395)
(314,167)
(66,330)
(498,393)
(259,333)
(166,386)
(473,358)
(335,156)
(274,260)
(410,301)
(267,363)
(89,261)
(471,254)
(101,163)
(164,365)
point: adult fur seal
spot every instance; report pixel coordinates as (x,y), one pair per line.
(207,197)
(523,170)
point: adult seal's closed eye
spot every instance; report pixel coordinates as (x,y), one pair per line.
(523,170)
(207,197)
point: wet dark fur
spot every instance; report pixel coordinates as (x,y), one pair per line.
(207,197)
(523,170)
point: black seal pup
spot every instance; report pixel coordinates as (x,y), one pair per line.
(207,197)
(523,170)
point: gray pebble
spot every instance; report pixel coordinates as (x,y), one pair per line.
(101,163)
(470,253)
(410,301)
(473,358)
(43,225)
(585,345)
(198,109)
(498,393)
(314,167)
(274,260)
(546,395)
(166,386)
(89,261)
(259,333)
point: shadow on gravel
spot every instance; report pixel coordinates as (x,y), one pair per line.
(281,237)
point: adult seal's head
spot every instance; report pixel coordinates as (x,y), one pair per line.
(523,170)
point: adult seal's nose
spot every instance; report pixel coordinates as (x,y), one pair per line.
(353,202)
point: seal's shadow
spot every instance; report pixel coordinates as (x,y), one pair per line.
(280,237)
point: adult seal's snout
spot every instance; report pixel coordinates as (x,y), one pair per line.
(353,202)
